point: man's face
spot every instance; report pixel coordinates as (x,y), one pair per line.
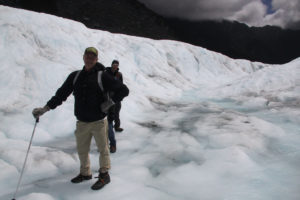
(90,60)
(115,67)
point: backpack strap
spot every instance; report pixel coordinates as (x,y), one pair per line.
(76,77)
(100,80)
(101,85)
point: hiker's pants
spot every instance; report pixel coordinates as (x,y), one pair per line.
(84,133)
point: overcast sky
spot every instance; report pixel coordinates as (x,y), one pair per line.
(284,13)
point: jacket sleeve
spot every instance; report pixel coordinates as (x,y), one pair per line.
(63,92)
(119,89)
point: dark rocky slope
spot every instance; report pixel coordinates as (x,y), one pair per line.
(266,44)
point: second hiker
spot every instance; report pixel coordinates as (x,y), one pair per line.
(114,71)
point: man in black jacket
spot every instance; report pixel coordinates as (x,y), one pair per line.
(91,118)
(114,71)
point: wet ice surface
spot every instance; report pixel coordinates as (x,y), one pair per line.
(198,125)
(248,155)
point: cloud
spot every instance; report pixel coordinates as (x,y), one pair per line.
(252,12)
(196,9)
(287,14)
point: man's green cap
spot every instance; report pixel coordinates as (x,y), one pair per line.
(91,50)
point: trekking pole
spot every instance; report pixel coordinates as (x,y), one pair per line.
(36,121)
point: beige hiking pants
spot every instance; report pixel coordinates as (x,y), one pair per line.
(84,133)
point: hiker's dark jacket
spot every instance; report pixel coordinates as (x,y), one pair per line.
(87,93)
(117,75)
(114,110)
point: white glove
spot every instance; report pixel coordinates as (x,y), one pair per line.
(37,112)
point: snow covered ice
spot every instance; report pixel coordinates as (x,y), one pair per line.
(198,125)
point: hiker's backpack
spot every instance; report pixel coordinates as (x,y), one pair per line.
(99,80)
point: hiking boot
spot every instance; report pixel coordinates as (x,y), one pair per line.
(113,149)
(118,129)
(80,178)
(103,179)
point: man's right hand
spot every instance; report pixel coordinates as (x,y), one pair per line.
(37,112)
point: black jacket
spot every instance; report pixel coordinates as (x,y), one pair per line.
(117,75)
(87,93)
